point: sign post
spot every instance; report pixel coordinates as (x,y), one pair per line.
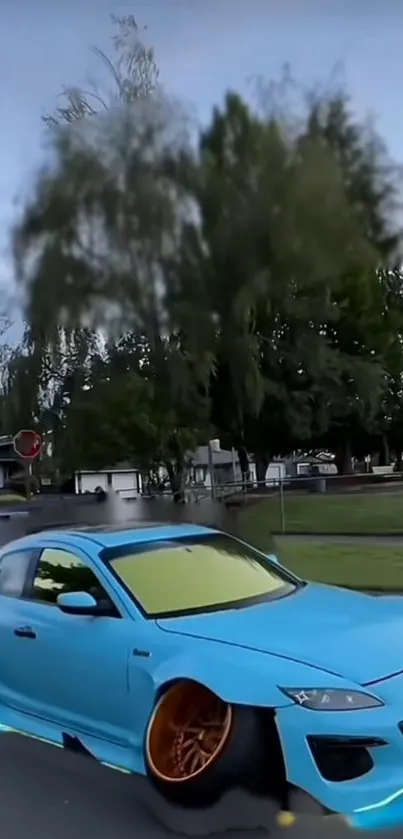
(28,445)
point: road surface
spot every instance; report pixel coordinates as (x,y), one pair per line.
(47,793)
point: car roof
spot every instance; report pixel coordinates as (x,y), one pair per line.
(116,535)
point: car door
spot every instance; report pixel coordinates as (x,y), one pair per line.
(15,566)
(73,670)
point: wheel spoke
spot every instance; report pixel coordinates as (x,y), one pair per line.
(194,763)
(191,731)
(186,757)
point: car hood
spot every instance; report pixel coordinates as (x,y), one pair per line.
(347,633)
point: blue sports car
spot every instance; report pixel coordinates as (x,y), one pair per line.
(184,654)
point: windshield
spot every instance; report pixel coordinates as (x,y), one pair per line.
(193,575)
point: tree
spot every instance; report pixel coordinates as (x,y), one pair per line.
(279,234)
(6,354)
(389,426)
(107,219)
(131,68)
(134,74)
(123,414)
(5,349)
(244,272)
(20,406)
(363,333)
(64,362)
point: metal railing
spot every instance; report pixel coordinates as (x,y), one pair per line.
(281,489)
(382,479)
(242,489)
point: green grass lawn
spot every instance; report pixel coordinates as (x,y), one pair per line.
(357,566)
(372,514)
(10,498)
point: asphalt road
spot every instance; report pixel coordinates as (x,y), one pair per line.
(45,792)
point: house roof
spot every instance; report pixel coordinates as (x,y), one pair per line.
(221,458)
(311,458)
(7,453)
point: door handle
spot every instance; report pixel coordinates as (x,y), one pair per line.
(25,632)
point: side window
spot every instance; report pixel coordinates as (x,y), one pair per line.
(13,572)
(59,572)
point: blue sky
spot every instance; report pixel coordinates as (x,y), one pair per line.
(203,47)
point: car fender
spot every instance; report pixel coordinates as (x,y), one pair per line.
(244,677)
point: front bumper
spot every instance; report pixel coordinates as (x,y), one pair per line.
(381,729)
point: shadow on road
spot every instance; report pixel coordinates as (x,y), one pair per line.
(46,792)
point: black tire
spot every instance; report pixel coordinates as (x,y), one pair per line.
(243,762)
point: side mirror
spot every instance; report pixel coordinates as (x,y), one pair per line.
(77,603)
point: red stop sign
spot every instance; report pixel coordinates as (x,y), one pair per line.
(28,443)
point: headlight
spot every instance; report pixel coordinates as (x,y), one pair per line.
(322,699)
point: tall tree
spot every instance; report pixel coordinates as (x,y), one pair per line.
(246,268)
(107,218)
(123,414)
(389,427)
(279,233)
(363,333)
(131,68)
(20,390)
(6,354)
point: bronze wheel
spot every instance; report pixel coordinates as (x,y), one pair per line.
(187,732)
(198,747)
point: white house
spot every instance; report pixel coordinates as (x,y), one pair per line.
(122,479)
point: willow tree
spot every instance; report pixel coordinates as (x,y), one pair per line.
(367,332)
(279,233)
(129,70)
(97,243)
(220,258)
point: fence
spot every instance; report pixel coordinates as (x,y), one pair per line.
(288,512)
(354,504)
(287,493)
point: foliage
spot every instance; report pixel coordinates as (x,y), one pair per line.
(252,276)
(364,332)
(131,68)
(135,409)
(281,235)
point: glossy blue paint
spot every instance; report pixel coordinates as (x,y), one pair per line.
(339,631)
(76,600)
(98,678)
(383,815)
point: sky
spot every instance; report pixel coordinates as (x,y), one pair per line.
(202,47)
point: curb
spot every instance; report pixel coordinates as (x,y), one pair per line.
(358,534)
(16,515)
